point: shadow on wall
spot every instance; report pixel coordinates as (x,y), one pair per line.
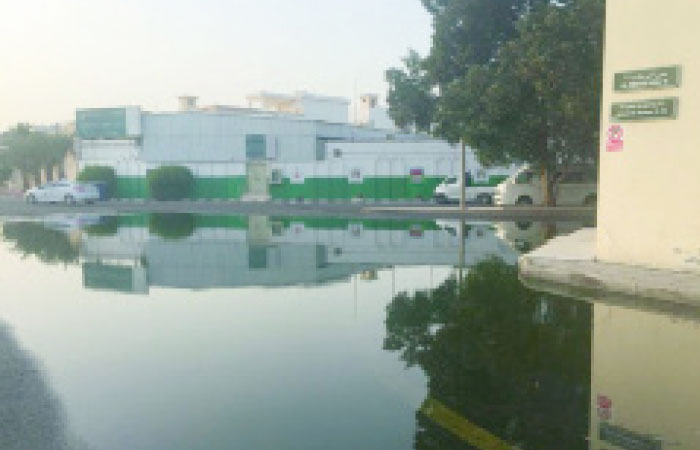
(31,416)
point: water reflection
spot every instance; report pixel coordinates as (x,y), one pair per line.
(134,253)
(31,416)
(479,361)
(507,366)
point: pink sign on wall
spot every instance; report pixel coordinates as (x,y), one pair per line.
(615,139)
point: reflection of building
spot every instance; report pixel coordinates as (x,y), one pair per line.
(257,251)
(644,380)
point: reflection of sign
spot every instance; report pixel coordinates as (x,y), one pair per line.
(102,123)
(615,138)
(415,231)
(108,277)
(417,175)
(654,78)
(627,439)
(604,404)
(659,108)
(297,176)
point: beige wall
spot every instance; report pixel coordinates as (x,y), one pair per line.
(647,364)
(649,205)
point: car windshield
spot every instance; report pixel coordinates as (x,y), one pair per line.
(451,180)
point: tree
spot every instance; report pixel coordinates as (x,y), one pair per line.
(538,100)
(411,98)
(518,80)
(30,151)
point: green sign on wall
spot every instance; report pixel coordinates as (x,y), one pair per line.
(101,123)
(653,78)
(657,108)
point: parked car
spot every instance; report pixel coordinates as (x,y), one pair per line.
(480,185)
(68,192)
(575,187)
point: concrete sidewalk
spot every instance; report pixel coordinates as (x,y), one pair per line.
(567,265)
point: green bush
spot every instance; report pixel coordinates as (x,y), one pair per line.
(103,174)
(170,183)
(171,225)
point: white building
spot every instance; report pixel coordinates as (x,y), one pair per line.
(291,147)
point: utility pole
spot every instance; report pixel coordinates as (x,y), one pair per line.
(463,178)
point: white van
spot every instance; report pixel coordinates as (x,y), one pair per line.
(576,187)
(480,187)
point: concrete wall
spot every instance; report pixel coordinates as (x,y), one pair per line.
(649,191)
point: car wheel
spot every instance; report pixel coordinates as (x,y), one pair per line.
(524,200)
(69,200)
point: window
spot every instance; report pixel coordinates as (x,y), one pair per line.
(276,176)
(255,146)
(451,180)
(525,177)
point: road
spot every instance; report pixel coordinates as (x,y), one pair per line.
(13,206)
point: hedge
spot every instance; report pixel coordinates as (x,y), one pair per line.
(102,174)
(170,183)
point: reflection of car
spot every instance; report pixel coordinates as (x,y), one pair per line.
(575,187)
(68,192)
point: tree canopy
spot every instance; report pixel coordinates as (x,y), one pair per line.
(30,151)
(518,80)
(411,98)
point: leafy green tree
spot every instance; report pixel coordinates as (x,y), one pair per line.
(30,151)
(539,99)
(518,80)
(411,98)
(508,359)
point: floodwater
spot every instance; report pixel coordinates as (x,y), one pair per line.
(224,332)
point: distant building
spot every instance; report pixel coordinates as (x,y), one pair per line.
(370,113)
(303,104)
(297,146)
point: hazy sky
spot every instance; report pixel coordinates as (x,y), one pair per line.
(57,55)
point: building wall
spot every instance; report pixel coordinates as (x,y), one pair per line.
(296,152)
(647,210)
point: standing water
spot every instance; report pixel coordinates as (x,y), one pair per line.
(231,332)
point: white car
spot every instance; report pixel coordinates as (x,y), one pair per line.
(576,187)
(68,192)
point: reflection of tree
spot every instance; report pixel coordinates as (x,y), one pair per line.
(510,360)
(172,225)
(50,246)
(31,417)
